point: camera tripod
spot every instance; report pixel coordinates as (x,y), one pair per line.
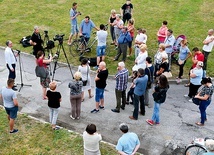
(45,41)
(20,70)
(59,48)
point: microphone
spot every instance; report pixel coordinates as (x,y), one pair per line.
(18,51)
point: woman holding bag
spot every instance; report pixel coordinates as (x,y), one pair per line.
(84,69)
(42,62)
(205,95)
(159,96)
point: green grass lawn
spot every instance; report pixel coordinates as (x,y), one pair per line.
(190,17)
(39,139)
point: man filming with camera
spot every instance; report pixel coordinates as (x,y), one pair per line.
(36,41)
(74,25)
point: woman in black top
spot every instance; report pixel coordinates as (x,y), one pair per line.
(111,21)
(54,99)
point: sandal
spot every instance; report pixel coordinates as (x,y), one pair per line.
(199,124)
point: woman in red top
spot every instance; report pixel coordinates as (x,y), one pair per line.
(130,27)
(40,61)
(162,32)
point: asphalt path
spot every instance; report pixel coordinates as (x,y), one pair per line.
(177,115)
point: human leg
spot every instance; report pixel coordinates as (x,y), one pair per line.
(169,61)
(12,115)
(146,98)
(181,70)
(155,116)
(202,107)
(82,94)
(136,106)
(123,99)
(50,114)
(206,54)
(118,94)
(73,105)
(137,51)
(142,105)
(55,116)
(78,106)
(124,51)
(119,51)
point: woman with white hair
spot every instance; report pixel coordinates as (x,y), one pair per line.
(76,95)
(118,25)
(140,61)
(111,21)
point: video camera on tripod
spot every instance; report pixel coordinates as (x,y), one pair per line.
(59,37)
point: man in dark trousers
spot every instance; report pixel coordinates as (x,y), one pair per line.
(123,40)
(139,91)
(36,41)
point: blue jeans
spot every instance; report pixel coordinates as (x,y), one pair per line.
(202,107)
(101,51)
(138,99)
(155,116)
(53,115)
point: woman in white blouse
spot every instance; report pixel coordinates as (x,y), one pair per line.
(140,61)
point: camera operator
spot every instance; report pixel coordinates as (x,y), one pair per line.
(86,27)
(74,25)
(36,41)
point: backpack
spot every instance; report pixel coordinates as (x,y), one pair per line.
(25,41)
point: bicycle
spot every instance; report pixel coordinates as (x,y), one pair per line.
(197,147)
(82,46)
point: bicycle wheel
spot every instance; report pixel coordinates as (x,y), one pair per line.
(195,150)
(74,47)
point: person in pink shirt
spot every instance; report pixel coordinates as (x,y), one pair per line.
(162,32)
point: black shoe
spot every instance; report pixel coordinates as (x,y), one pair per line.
(14,89)
(115,60)
(131,103)
(14,131)
(127,102)
(115,110)
(122,108)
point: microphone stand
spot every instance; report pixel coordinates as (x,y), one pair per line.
(20,69)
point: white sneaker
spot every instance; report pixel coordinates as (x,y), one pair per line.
(190,100)
(186,95)
(72,117)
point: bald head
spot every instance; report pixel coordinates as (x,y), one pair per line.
(210,32)
(102,65)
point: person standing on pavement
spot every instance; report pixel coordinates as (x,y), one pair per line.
(54,99)
(10,103)
(196,75)
(126,11)
(159,96)
(74,26)
(101,45)
(123,41)
(205,95)
(139,91)
(100,80)
(121,86)
(36,41)
(76,95)
(91,140)
(129,143)
(149,71)
(207,48)
(10,59)
(84,69)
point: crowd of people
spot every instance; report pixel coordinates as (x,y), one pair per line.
(144,74)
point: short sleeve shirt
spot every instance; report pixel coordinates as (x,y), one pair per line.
(207,91)
(199,57)
(183,52)
(101,37)
(8,95)
(53,99)
(87,27)
(127,8)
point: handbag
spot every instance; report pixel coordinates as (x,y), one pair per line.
(41,72)
(196,101)
(167,74)
(85,81)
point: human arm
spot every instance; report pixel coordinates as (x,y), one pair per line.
(8,58)
(207,41)
(135,150)
(97,76)
(189,55)
(46,61)
(15,101)
(205,97)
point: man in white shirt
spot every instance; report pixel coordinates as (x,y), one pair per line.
(101,46)
(208,46)
(141,38)
(10,59)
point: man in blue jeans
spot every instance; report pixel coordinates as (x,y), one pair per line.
(10,103)
(139,91)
